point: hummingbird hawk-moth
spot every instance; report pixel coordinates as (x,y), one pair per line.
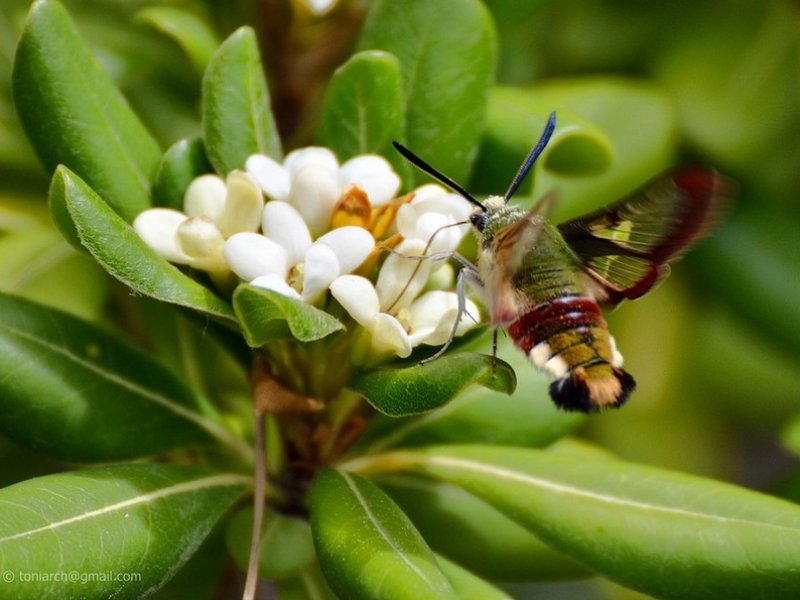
(544,284)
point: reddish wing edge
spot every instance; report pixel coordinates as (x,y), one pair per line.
(626,247)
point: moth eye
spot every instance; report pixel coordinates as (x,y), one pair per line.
(478,220)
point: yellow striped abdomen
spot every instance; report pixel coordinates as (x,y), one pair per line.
(569,338)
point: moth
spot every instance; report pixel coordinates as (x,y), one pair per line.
(544,283)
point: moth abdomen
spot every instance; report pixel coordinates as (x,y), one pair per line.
(568,338)
(580,390)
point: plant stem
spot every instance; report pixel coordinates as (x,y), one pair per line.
(259,496)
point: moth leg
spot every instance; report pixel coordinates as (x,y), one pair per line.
(468,274)
(494,351)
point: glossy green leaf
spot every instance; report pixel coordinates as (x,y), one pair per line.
(367,547)
(237,120)
(598,152)
(266,315)
(37,260)
(79,393)
(467,585)
(193,34)
(203,573)
(447,52)
(185,160)
(309,584)
(661,532)
(412,390)
(286,545)
(121,252)
(488,543)
(577,148)
(363,110)
(90,529)
(74,115)
(525,418)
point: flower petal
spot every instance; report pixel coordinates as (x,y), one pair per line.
(157,227)
(274,282)
(400,278)
(357,296)
(320,268)
(431,317)
(351,245)
(243,205)
(205,197)
(373,174)
(314,193)
(251,254)
(434,198)
(271,176)
(317,156)
(388,334)
(283,224)
(200,239)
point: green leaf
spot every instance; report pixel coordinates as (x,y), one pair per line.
(660,532)
(750,261)
(37,260)
(363,110)
(185,160)
(526,418)
(411,390)
(237,120)
(193,34)
(286,546)
(79,393)
(367,547)
(488,543)
(310,584)
(89,530)
(515,120)
(598,152)
(467,585)
(267,315)
(115,245)
(73,114)
(447,52)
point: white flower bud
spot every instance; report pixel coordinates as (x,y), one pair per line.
(250,255)
(205,197)
(320,268)
(244,203)
(351,244)
(158,228)
(373,174)
(282,223)
(271,177)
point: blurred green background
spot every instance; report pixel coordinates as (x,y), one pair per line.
(715,350)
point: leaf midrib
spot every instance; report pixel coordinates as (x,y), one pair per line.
(376,524)
(225,480)
(467,465)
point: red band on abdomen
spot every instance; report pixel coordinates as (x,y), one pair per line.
(542,322)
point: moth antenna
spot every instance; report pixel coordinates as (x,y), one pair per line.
(532,156)
(420,258)
(439,176)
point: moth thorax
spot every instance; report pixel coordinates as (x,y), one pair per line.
(494,203)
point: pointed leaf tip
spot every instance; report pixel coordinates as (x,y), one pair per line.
(421,388)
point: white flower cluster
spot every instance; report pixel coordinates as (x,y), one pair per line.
(315,231)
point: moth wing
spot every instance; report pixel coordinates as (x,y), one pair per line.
(626,248)
(508,249)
